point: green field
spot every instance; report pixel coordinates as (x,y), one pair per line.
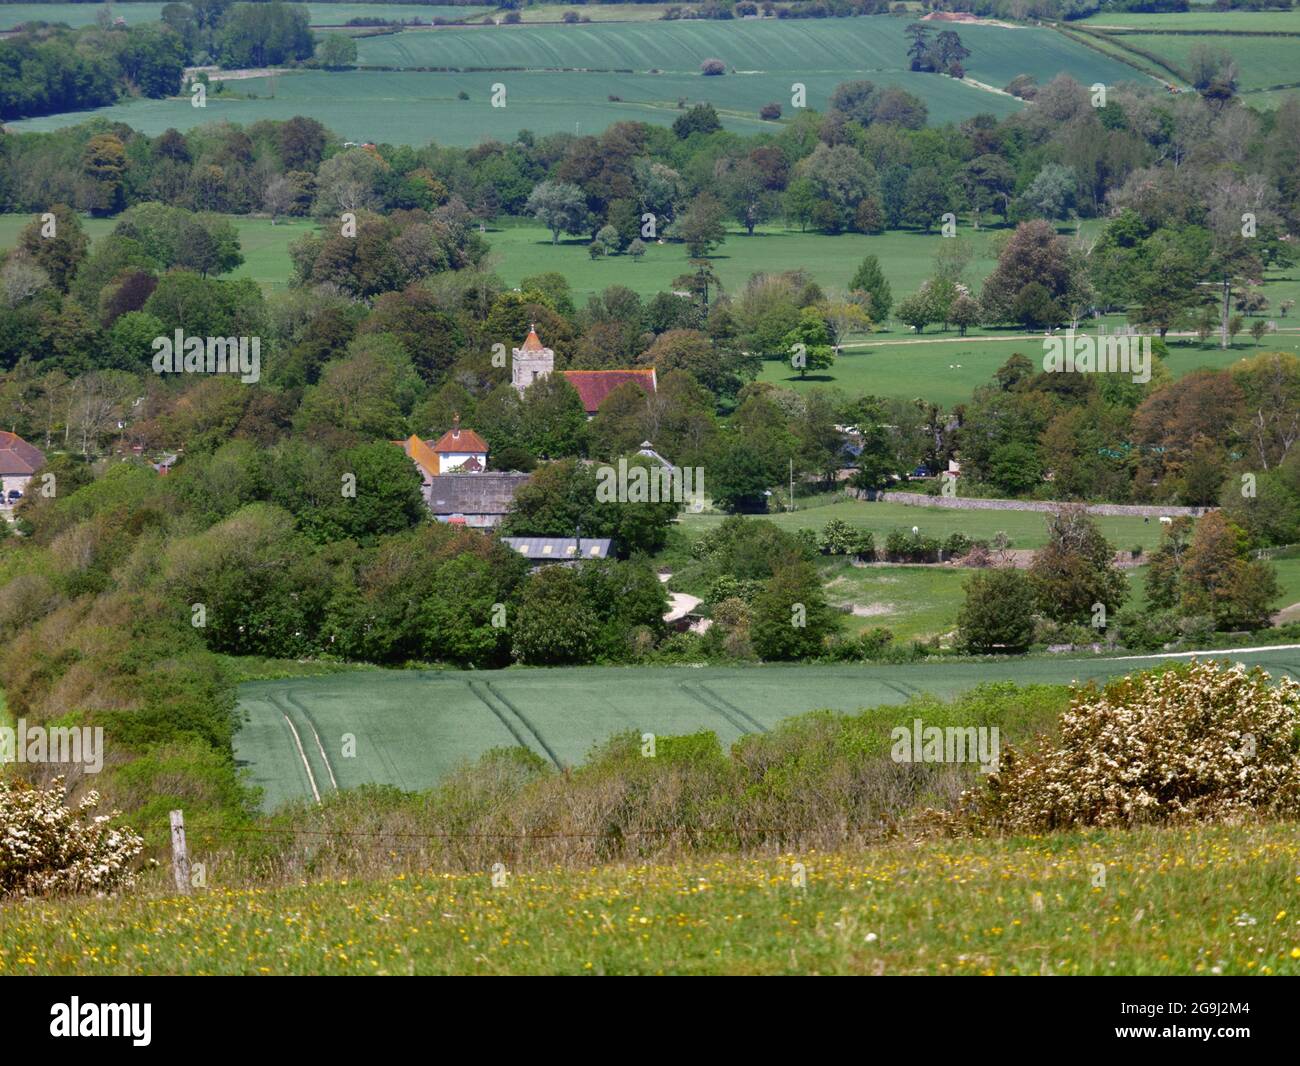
(135,13)
(561,78)
(912,602)
(1174,901)
(1200,20)
(1027,529)
(411,728)
(947,371)
(866,47)
(1263,62)
(265,246)
(907,258)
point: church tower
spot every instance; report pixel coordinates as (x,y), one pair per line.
(530,361)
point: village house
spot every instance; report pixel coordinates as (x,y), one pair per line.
(533,360)
(457,486)
(18,462)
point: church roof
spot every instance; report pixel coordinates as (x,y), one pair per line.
(533,343)
(595,385)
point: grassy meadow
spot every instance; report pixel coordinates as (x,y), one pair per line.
(1199,20)
(1170,902)
(947,369)
(1026,529)
(265,245)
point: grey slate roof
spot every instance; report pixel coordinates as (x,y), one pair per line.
(544,549)
(473,494)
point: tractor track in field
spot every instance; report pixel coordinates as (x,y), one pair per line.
(527,724)
(512,718)
(727,703)
(905,690)
(311,722)
(713,704)
(285,703)
(302,754)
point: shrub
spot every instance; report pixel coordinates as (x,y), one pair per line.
(770,112)
(874,641)
(837,538)
(957,545)
(47,847)
(907,547)
(1192,743)
(713,67)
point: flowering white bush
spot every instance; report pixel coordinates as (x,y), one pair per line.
(1193,743)
(47,847)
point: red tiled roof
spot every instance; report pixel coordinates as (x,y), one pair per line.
(17,456)
(460,440)
(532,343)
(594,385)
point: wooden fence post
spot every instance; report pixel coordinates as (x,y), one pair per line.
(180,860)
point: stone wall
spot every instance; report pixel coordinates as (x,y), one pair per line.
(960,503)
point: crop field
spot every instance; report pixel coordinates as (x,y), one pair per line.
(135,13)
(865,47)
(1199,21)
(562,78)
(1218,899)
(1263,62)
(410,728)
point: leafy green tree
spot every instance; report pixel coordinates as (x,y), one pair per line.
(740,481)
(554,623)
(998,612)
(336,51)
(1219,578)
(701,227)
(560,207)
(870,279)
(810,343)
(60,252)
(103,165)
(702,118)
(790,618)
(1075,569)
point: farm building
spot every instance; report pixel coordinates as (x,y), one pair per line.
(559,549)
(477,500)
